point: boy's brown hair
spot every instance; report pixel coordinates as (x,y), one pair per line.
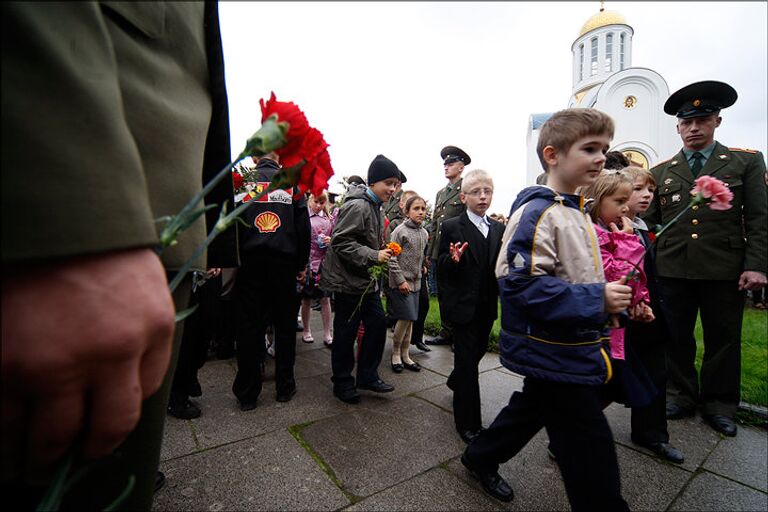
(638,172)
(567,126)
(605,185)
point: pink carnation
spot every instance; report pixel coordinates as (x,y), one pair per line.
(714,191)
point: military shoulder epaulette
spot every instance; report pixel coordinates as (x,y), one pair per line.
(751,151)
(662,163)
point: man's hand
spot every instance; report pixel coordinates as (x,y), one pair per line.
(457,250)
(84,341)
(384,255)
(617,296)
(404,288)
(752,280)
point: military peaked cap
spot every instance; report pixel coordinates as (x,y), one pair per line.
(700,99)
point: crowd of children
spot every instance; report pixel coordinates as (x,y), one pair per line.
(582,318)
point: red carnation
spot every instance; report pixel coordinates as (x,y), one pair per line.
(652,236)
(287,112)
(304,144)
(237,180)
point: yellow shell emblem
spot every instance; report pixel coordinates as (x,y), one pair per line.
(267,222)
(696,103)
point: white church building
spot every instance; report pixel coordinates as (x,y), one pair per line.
(603,78)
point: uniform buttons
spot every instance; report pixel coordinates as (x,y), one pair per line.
(695,222)
(695,236)
(695,207)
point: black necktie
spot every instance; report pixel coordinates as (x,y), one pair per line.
(696,168)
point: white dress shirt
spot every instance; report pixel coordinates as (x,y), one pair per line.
(481,223)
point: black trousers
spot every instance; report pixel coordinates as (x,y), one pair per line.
(345,325)
(265,293)
(579,437)
(721,305)
(446,327)
(417,334)
(470,343)
(200,328)
(647,342)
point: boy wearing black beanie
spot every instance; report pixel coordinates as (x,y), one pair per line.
(356,244)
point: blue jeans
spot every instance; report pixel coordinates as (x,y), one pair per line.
(345,325)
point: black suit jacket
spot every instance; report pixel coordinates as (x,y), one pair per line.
(461,283)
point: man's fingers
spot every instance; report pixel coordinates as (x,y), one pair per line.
(63,408)
(13,434)
(115,408)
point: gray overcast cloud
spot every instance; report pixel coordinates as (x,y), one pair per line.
(405,79)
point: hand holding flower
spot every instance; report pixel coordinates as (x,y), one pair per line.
(384,255)
(618,296)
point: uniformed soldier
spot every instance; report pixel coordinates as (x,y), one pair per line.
(708,258)
(447,205)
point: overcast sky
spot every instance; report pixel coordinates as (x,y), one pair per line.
(405,79)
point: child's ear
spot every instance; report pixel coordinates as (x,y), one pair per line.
(550,155)
(463,197)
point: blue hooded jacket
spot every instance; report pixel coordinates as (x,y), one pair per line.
(551,285)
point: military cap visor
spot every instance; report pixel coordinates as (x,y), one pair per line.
(700,99)
(451,154)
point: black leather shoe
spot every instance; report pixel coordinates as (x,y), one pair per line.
(421,346)
(349,396)
(722,424)
(415,367)
(159,481)
(469,435)
(378,386)
(677,412)
(665,451)
(438,340)
(247,406)
(184,411)
(285,396)
(397,367)
(492,482)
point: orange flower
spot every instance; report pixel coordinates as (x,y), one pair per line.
(395,248)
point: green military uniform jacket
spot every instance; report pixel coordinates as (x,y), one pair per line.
(706,243)
(447,205)
(114,114)
(391,209)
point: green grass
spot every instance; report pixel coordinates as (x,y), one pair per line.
(754,350)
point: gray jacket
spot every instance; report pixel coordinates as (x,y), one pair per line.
(355,244)
(407,266)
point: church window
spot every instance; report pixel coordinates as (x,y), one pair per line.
(581,61)
(621,51)
(593,64)
(608,51)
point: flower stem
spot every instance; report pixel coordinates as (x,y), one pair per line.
(636,270)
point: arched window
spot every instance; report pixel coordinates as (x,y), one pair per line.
(593,60)
(621,50)
(608,52)
(581,61)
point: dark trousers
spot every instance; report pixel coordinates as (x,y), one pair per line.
(345,328)
(721,306)
(446,328)
(417,334)
(579,437)
(200,328)
(265,293)
(470,342)
(649,423)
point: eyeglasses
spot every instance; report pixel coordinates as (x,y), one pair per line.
(480,191)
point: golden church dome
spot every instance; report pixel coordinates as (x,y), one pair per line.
(602,19)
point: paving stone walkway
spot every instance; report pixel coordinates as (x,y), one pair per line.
(399,451)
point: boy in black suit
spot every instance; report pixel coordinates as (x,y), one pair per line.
(468,285)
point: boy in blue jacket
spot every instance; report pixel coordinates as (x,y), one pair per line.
(555,305)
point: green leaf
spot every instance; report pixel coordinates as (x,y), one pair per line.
(181,315)
(286,178)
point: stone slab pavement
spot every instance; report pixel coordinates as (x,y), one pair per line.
(399,451)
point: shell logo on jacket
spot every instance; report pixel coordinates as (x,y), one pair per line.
(267,222)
